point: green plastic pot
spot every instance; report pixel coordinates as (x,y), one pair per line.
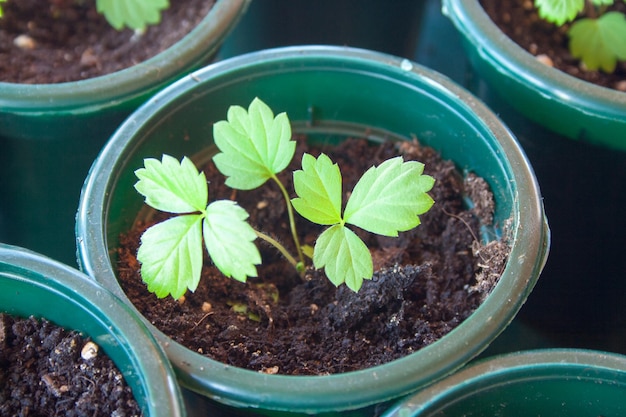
(329,93)
(51,133)
(562,103)
(556,383)
(34,285)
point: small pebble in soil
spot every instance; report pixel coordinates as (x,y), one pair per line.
(545,59)
(25,42)
(89,351)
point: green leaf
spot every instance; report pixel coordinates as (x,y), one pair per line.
(344,257)
(559,11)
(1,1)
(601,42)
(135,14)
(254,145)
(171,186)
(229,240)
(171,255)
(388,198)
(318,186)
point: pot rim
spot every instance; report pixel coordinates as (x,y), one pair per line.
(125,330)
(108,90)
(318,393)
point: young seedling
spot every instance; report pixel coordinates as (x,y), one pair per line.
(135,14)
(254,147)
(597,37)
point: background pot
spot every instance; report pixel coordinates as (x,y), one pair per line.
(392,28)
(50,134)
(329,93)
(31,284)
(564,104)
(579,300)
(556,382)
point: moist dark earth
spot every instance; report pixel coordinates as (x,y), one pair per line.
(427,281)
(42,374)
(67,40)
(519,20)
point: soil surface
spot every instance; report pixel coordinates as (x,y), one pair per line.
(427,281)
(42,374)
(54,41)
(520,21)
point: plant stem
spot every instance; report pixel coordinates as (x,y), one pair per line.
(278,246)
(292,222)
(590,10)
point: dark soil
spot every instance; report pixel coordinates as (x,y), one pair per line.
(520,21)
(427,281)
(42,374)
(68,40)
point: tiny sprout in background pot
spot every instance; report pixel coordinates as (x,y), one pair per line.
(134,14)
(597,36)
(254,147)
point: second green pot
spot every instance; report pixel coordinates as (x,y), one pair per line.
(556,383)
(34,285)
(328,93)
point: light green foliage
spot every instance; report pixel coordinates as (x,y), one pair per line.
(171,255)
(171,252)
(135,14)
(254,145)
(386,200)
(229,240)
(344,257)
(318,186)
(597,39)
(601,42)
(1,1)
(170,186)
(559,11)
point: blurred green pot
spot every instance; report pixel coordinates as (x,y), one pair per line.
(390,27)
(562,103)
(31,284)
(50,134)
(556,383)
(329,93)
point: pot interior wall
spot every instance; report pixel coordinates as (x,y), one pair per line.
(327,101)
